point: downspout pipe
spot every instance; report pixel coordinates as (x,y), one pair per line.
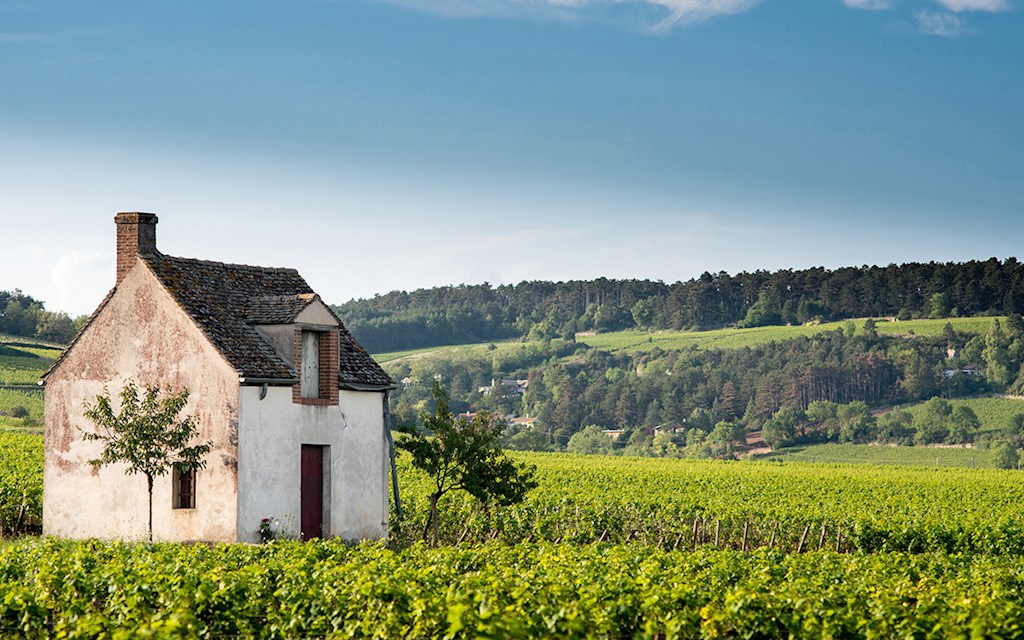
(391,452)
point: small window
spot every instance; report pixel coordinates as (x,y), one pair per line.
(184,487)
(310,379)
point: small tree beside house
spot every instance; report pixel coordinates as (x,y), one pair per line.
(462,454)
(148,435)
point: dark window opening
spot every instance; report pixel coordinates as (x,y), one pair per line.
(184,488)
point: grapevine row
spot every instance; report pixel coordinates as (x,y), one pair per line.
(317,590)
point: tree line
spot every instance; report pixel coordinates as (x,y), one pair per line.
(537,309)
(24,316)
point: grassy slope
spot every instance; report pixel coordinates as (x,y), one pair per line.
(994,413)
(633,341)
(638,341)
(22,362)
(885,455)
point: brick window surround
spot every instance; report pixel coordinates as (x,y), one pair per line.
(328,369)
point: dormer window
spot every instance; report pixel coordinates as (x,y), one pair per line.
(316,355)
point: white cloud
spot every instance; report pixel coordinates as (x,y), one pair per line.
(868,5)
(992,6)
(80,279)
(668,14)
(936,23)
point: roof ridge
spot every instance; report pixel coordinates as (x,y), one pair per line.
(219,263)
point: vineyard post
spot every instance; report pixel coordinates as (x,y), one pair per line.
(803,536)
(718,531)
(696,532)
(821,538)
(743,546)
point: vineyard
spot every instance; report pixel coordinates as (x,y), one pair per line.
(21,482)
(678,504)
(604,547)
(290,590)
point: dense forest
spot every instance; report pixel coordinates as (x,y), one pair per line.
(477,313)
(23,315)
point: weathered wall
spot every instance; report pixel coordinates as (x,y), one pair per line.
(269,445)
(142,334)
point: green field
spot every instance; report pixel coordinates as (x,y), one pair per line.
(638,341)
(885,455)
(994,413)
(22,362)
(634,341)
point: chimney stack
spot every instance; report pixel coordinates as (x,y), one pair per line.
(136,234)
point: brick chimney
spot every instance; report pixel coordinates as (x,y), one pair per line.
(136,234)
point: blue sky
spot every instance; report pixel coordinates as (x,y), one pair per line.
(379,145)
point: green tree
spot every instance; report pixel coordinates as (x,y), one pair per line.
(725,435)
(146,434)
(781,429)
(763,312)
(997,356)
(963,425)
(856,422)
(590,441)
(939,305)
(1006,456)
(664,446)
(870,328)
(932,424)
(463,455)
(895,427)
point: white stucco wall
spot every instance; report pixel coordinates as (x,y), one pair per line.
(270,441)
(141,334)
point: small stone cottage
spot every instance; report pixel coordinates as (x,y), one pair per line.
(295,409)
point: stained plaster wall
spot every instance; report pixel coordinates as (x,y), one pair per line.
(144,335)
(269,463)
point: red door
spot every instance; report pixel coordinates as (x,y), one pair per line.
(312,489)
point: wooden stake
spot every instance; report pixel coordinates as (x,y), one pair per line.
(803,536)
(771,542)
(821,538)
(743,547)
(718,531)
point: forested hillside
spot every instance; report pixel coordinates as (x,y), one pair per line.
(817,388)
(475,313)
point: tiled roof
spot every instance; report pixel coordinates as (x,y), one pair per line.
(277,309)
(217,295)
(226,301)
(357,367)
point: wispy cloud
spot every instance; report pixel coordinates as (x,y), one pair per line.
(667,14)
(992,6)
(21,38)
(868,5)
(935,23)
